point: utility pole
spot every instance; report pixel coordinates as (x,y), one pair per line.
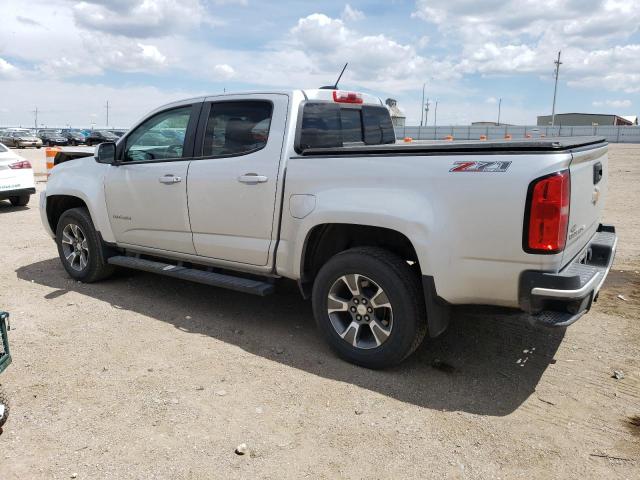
(107,113)
(499,110)
(555,89)
(422,106)
(426,108)
(35,120)
(435,115)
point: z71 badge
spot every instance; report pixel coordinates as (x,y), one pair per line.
(490,167)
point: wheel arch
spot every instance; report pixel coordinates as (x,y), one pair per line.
(325,240)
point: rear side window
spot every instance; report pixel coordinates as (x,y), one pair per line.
(237,128)
(327,125)
(3,149)
(378,128)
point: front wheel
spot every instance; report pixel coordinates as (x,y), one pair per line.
(4,407)
(19,201)
(369,306)
(80,248)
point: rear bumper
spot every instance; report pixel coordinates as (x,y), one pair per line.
(17,192)
(559,299)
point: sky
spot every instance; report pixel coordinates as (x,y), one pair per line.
(68,58)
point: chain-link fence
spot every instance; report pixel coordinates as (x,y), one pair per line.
(477,132)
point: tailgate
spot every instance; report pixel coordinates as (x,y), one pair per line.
(589,172)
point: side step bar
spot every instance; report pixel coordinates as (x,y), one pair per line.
(239,284)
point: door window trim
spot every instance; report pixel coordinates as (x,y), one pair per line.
(202,128)
(189,137)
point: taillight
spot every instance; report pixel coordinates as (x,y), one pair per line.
(20,165)
(547,214)
(347,97)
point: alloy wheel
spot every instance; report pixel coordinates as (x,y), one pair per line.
(360,311)
(75,247)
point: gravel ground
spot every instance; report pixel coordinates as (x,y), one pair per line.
(147,377)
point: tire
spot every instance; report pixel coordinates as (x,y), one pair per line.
(20,201)
(4,400)
(405,316)
(77,239)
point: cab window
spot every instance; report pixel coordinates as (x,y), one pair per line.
(161,137)
(237,128)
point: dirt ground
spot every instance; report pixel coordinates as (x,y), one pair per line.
(142,377)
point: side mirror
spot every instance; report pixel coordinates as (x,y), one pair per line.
(106,153)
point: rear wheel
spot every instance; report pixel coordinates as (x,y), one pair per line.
(368,304)
(19,201)
(80,248)
(4,407)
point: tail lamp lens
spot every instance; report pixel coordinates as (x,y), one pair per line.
(549,199)
(20,165)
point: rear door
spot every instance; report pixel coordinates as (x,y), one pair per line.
(588,189)
(146,192)
(232,186)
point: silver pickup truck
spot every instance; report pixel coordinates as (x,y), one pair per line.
(239,190)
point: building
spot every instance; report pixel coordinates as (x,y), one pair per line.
(632,118)
(583,119)
(397,117)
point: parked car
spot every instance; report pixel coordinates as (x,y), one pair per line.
(75,137)
(52,138)
(16,178)
(20,139)
(385,238)
(118,133)
(100,136)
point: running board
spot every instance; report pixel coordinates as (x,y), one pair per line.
(239,284)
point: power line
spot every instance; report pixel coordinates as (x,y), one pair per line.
(555,89)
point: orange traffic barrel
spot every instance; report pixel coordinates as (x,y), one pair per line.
(51,153)
(528,135)
(408,139)
(449,138)
(507,136)
(483,138)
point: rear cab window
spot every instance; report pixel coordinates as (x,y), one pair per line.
(331,125)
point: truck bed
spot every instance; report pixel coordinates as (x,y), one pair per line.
(434,147)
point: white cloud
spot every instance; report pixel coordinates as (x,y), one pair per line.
(375,61)
(7,70)
(140,18)
(497,37)
(613,103)
(350,14)
(223,71)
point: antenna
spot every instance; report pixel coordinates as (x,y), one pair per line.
(335,86)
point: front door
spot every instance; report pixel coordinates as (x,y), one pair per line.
(146,191)
(232,186)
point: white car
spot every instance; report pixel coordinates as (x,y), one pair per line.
(16,178)
(387,239)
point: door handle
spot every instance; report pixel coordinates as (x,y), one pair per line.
(170,179)
(252,178)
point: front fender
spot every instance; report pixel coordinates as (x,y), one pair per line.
(84,178)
